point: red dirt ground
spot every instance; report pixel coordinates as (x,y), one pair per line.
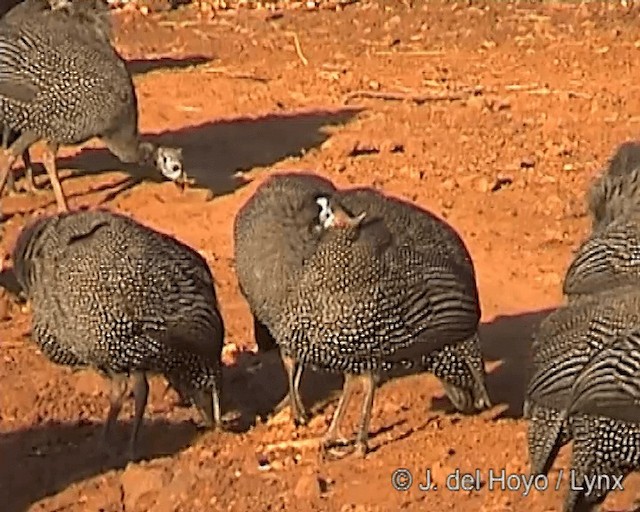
(540,97)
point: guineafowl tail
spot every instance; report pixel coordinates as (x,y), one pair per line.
(547,433)
(25,251)
(617,190)
(460,369)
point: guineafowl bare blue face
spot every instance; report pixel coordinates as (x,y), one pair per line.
(584,387)
(110,293)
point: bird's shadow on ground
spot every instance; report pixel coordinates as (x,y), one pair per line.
(260,380)
(507,340)
(215,152)
(45,459)
(143,66)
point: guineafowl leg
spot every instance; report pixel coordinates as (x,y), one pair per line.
(19,146)
(49,161)
(28,175)
(207,403)
(140,395)
(294,372)
(369,385)
(296,385)
(333,437)
(116,397)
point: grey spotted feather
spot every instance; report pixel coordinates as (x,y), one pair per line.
(110,293)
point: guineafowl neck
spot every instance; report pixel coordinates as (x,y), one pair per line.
(188,367)
(146,153)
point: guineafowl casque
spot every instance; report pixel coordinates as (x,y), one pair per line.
(110,293)
(62,82)
(585,386)
(610,256)
(275,231)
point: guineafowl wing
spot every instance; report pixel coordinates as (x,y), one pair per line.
(188,314)
(609,385)
(606,260)
(15,82)
(562,347)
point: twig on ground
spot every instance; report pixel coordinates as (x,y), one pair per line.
(230,74)
(522,87)
(11,346)
(398,96)
(534,88)
(296,43)
(296,443)
(413,53)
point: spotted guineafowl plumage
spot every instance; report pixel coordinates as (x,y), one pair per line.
(275,231)
(585,386)
(61,81)
(602,314)
(110,293)
(459,366)
(367,301)
(610,256)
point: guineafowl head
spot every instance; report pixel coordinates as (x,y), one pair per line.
(169,162)
(59,4)
(333,215)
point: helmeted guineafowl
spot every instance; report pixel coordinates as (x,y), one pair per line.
(110,293)
(585,386)
(610,256)
(275,231)
(364,300)
(16,16)
(572,352)
(279,220)
(61,82)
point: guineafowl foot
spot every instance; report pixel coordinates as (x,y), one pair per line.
(294,374)
(300,419)
(335,449)
(118,388)
(140,396)
(361,449)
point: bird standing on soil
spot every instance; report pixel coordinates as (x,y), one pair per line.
(113,294)
(586,380)
(585,386)
(610,256)
(275,231)
(361,299)
(62,81)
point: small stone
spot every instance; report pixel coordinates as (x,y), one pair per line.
(307,486)
(140,484)
(482,185)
